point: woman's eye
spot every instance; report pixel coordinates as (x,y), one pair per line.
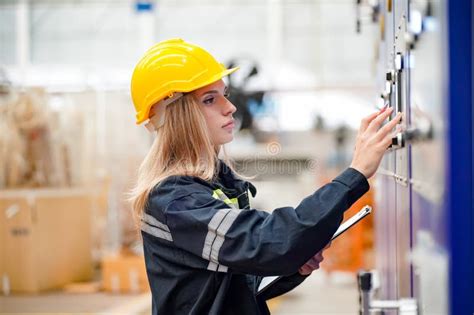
(209,100)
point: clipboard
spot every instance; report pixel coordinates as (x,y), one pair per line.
(365,211)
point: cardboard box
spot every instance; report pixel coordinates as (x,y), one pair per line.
(124,274)
(45,239)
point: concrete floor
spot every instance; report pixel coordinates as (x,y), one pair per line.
(58,302)
(319,294)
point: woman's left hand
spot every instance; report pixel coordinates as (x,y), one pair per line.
(313,263)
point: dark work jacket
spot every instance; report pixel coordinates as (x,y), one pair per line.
(206,250)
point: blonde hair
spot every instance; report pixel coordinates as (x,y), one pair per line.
(182,146)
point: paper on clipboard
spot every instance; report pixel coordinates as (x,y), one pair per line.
(268,281)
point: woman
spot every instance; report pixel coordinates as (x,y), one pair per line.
(206,249)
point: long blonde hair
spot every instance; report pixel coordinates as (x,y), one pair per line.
(182,146)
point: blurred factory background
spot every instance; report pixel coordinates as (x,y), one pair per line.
(310,71)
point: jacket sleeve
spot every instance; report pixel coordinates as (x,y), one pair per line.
(257,242)
(282,286)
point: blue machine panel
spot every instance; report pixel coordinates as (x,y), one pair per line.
(460,157)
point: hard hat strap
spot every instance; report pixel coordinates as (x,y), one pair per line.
(158,111)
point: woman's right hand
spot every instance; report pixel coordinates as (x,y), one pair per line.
(373,140)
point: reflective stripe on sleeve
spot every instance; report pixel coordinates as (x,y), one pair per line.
(152,221)
(156,232)
(217,229)
(216,267)
(154,227)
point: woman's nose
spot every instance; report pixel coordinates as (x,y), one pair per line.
(229,108)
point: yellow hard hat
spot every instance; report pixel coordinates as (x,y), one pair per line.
(170,67)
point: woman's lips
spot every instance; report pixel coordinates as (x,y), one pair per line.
(229,125)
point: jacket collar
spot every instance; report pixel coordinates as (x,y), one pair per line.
(229,181)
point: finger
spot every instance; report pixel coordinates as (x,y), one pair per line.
(375,124)
(316,259)
(366,120)
(387,141)
(305,270)
(382,132)
(387,129)
(313,264)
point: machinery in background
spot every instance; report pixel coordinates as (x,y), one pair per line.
(248,102)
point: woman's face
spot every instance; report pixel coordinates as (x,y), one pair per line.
(218,111)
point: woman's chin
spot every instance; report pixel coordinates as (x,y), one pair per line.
(226,139)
